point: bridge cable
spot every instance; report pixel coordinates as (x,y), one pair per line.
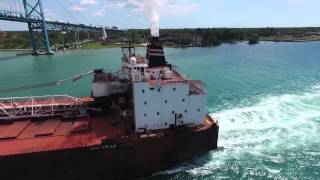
(61,5)
(83,17)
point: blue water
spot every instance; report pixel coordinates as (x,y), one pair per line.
(266,98)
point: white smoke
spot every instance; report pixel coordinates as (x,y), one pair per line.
(153,11)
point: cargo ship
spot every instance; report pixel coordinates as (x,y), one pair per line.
(145,118)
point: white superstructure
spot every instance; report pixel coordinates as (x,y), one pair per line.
(163,99)
(159,96)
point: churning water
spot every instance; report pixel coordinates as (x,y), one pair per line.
(266,98)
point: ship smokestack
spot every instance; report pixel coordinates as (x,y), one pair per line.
(155,53)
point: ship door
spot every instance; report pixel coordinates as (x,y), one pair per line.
(177,118)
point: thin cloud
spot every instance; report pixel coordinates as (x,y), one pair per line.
(168,7)
(76,8)
(100,13)
(49,14)
(88,2)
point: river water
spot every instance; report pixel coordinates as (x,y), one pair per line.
(266,98)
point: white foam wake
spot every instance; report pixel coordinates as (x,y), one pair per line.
(288,112)
(263,130)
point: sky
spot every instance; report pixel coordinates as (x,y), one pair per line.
(127,14)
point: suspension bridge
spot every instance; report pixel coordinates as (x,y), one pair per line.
(32,13)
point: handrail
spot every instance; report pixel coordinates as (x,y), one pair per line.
(40,106)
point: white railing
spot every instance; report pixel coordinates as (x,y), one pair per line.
(41,106)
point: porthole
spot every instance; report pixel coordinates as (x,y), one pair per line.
(145,115)
(142,91)
(183,100)
(165,123)
(145,103)
(198,110)
(174,89)
(158,113)
(185,111)
(165,101)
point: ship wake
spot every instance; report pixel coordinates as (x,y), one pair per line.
(268,131)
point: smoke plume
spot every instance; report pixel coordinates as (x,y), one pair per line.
(153,11)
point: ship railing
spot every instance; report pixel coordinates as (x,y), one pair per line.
(176,70)
(40,106)
(197,87)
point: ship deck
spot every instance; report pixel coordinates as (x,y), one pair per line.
(195,86)
(23,136)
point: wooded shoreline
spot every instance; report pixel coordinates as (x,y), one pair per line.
(199,37)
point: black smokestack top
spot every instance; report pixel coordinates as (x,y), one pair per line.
(155,53)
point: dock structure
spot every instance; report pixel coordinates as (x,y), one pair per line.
(32,13)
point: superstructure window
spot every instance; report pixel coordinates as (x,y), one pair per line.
(142,91)
(145,114)
(174,89)
(185,111)
(173,112)
(165,101)
(198,110)
(145,103)
(183,100)
(158,113)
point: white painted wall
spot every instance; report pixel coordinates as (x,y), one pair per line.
(197,108)
(170,100)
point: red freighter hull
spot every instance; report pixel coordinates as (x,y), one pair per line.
(94,147)
(112,159)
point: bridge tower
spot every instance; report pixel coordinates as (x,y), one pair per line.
(37,27)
